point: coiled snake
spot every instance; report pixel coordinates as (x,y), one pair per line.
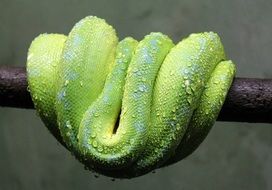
(126,108)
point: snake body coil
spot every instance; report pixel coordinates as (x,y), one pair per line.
(127,108)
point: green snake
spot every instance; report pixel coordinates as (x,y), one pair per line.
(126,108)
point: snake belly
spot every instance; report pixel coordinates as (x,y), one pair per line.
(126,108)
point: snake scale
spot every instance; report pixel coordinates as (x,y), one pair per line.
(126,108)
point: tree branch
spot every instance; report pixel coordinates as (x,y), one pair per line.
(13,88)
(248,100)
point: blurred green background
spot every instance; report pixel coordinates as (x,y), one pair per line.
(234,155)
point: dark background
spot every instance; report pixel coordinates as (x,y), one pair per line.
(234,156)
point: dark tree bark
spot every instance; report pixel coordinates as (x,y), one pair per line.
(13,88)
(248,100)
